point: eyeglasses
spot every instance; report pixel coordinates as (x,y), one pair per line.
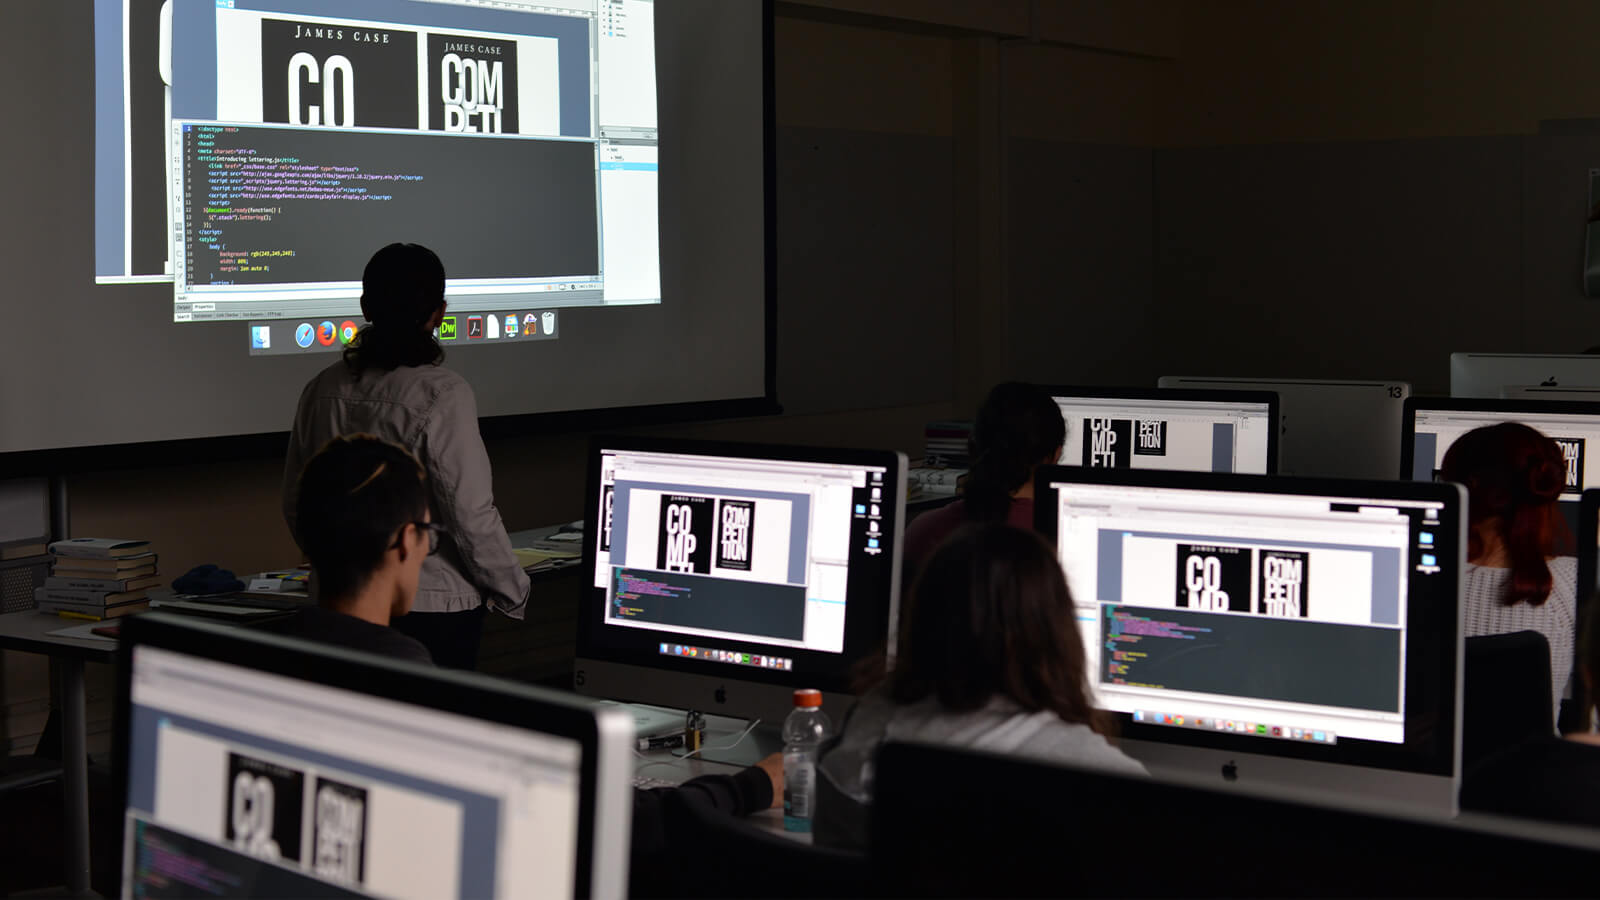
(433,530)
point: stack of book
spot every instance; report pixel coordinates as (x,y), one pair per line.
(947,444)
(98,578)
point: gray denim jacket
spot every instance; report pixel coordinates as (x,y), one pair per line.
(432,412)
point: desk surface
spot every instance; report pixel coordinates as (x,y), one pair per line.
(28,631)
(663,764)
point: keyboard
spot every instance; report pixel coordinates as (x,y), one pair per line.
(646,782)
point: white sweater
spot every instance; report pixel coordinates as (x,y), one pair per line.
(1482,612)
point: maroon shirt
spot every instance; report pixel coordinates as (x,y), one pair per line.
(927,531)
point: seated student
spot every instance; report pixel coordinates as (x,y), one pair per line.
(990,658)
(1545,778)
(1018,428)
(362,520)
(1514,580)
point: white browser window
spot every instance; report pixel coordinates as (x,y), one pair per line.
(1435,430)
(731,548)
(1260,608)
(380,797)
(1104,432)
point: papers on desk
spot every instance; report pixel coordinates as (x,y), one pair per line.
(545,557)
(84,632)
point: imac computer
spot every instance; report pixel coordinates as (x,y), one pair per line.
(1339,429)
(1541,392)
(1145,428)
(261,766)
(1491,375)
(1271,630)
(722,577)
(1432,424)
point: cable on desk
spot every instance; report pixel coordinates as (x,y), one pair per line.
(737,741)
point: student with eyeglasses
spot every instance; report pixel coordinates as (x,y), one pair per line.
(362,520)
(362,517)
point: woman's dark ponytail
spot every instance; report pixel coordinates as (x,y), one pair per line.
(1018,426)
(401,290)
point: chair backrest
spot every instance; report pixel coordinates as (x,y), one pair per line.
(953,823)
(714,854)
(1505,690)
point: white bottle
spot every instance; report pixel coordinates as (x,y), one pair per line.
(803,733)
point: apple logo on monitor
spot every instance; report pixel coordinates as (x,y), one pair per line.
(721,696)
(1230,772)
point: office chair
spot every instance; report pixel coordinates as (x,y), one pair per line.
(1505,690)
(717,855)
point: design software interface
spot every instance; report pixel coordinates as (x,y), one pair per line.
(246,783)
(1115,433)
(518,138)
(735,560)
(1434,430)
(1246,612)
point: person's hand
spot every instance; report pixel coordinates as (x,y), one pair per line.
(773,766)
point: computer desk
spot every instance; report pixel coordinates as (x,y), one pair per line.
(666,766)
(28,632)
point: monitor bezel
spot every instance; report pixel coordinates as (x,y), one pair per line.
(1408,416)
(1461,362)
(836,678)
(1435,758)
(1588,575)
(1183,396)
(445,690)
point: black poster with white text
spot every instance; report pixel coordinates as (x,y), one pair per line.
(1107,443)
(1572,455)
(1150,437)
(683,542)
(472,84)
(338,75)
(1213,579)
(736,521)
(608,496)
(339,832)
(1281,590)
(265,800)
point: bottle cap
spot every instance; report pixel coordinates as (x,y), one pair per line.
(808,698)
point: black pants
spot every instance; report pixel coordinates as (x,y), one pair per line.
(451,638)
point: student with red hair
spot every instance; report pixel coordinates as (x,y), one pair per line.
(1515,579)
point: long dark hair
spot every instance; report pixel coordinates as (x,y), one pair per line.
(1514,475)
(401,288)
(991,616)
(1017,426)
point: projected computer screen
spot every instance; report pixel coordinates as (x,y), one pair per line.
(1279,615)
(244,783)
(744,561)
(517,139)
(1176,434)
(594,176)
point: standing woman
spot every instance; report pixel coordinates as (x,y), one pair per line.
(1018,428)
(1515,580)
(390,384)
